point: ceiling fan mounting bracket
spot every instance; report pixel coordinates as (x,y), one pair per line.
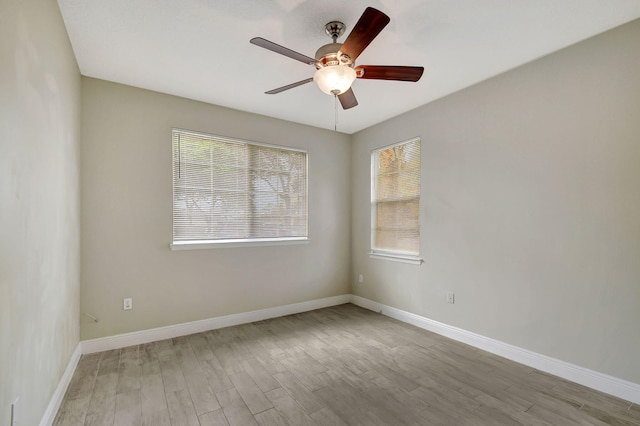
(334,29)
(345,59)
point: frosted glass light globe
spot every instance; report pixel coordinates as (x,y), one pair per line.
(334,79)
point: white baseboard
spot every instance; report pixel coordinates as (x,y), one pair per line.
(620,388)
(171,331)
(54,404)
(612,385)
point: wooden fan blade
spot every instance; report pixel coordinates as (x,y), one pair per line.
(269,45)
(289,86)
(348,99)
(366,29)
(388,72)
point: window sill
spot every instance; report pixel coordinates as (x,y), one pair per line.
(215,244)
(403,258)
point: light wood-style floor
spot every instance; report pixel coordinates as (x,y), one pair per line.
(334,366)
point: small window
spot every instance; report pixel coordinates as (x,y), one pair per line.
(395,200)
(227,190)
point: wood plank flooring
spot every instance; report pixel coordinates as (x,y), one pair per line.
(336,366)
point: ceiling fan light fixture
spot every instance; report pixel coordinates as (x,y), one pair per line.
(335,79)
(335,62)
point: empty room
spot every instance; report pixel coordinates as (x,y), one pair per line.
(306,212)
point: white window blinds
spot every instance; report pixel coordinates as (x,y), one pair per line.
(230,190)
(395,199)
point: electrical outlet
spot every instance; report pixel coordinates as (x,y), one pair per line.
(360,278)
(127,304)
(14,413)
(451,298)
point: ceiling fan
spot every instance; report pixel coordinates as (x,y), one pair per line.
(335,62)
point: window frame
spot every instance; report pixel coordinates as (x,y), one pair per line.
(236,242)
(392,255)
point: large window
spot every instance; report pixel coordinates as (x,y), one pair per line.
(395,200)
(227,190)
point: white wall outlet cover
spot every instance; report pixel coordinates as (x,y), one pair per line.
(127,304)
(451,298)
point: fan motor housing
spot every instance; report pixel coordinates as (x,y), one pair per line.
(329,54)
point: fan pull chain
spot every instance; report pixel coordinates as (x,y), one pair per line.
(335,119)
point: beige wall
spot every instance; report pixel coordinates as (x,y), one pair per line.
(126,217)
(530,207)
(39,207)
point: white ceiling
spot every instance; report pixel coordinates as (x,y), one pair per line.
(200,49)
